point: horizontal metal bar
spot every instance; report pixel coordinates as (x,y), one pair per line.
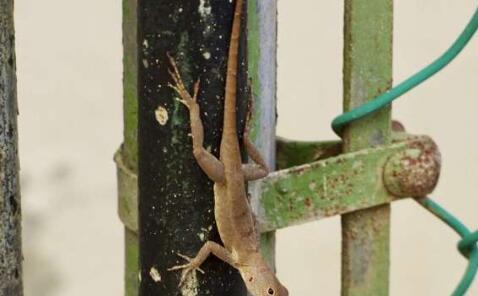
(325,188)
(342,184)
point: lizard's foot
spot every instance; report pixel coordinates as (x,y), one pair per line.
(191,266)
(178,86)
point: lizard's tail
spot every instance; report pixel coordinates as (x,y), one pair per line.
(231,77)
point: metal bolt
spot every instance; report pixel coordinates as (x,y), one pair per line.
(415,171)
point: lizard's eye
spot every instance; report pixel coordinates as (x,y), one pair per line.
(251,279)
(270,291)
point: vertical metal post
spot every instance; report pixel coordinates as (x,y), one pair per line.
(175,197)
(10,214)
(127,157)
(262,54)
(367,73)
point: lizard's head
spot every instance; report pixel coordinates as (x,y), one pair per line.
(261,281)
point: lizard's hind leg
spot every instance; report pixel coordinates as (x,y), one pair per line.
(212,166)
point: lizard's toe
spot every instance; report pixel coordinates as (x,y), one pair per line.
(190,266)
(187,258)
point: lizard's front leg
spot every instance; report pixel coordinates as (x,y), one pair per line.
(208,248)
(212,166)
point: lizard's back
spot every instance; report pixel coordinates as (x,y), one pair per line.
(234,216)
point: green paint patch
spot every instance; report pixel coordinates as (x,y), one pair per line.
(326,188)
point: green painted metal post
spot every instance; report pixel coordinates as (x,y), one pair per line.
(127,157)
(367,73)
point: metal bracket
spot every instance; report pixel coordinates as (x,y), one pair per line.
(349,182)
(127,193)
(409,167)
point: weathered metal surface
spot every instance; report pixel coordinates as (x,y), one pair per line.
(414,172)
(262,55)
(175,196)
(334,186)
(127,156)
(127,193)
(10,213)
(130,84)
(131,275)
(262,40)
(367,73)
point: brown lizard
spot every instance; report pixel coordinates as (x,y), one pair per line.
(233,214)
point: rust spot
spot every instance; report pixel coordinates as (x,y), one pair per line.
(308,202)
(414,172)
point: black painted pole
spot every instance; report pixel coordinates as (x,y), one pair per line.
(10,217)
(175,196)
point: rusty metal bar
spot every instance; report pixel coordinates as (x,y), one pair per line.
(349,182)
(367,73)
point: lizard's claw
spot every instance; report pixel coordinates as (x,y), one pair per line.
(178,86)
(184,102)
(187,268)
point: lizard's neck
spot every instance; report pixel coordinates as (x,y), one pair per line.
(230,128)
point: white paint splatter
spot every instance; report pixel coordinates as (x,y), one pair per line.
(161,115)
(204,9)
(207,55)
(190,285)
(154,273)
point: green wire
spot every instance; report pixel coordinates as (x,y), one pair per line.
(386,98)
(467,246)
(468,241)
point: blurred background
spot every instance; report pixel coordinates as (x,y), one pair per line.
(70,98)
